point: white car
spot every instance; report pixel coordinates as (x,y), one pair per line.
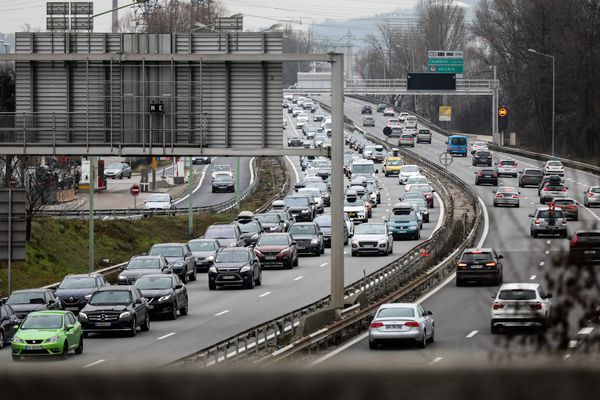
(372,238)
(415,180)
(355,208)
(411,130)
(402,116)
(407,171)
(296,111)
(284,122)
(410,121)
(301,121)
(159,201)
(479,146)
(507,167)
(389,112)
(520,304)
(402,322)
(221,168)
(554,167)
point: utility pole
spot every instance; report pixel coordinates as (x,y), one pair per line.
(553,87)
(92,184)
(190,199)
(115,16)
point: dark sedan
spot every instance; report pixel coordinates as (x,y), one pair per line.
(235,266)
(366,110)
(530,177)
(308,237)
(25,301)
(584,247)
(223,183)
(276,249)
(166,295)
(486,175)
(295,141)
(8,324)
(324,222)
(271,222)
(482,157)
(204,251)
(143,265)
(75,289)
(180,258)
(115,308)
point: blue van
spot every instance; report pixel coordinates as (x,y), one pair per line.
(457,144)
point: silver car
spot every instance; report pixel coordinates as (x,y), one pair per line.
(547,221)
(550,191)
(372,238)
(367,120)
(520,304)
(592,196)
(401,322)
(507,196)
(117,171)
(507,167)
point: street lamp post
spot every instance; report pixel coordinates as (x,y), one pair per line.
(412,53)
(553,87)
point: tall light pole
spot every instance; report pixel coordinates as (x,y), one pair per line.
(553,87)
(412,52)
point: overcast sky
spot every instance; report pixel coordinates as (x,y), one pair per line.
(257,13)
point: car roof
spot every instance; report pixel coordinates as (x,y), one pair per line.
(114,287)
(145,257)
(203,240)
(232,249)
(516,285)
(31,291)
(475,249)
(91,274)
(398,305)
(167,244)
(155,276)
(49,312)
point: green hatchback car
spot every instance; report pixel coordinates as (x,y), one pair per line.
(48,333)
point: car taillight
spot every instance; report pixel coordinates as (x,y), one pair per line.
(490,264)
(573,241)
(546,189)
(515,196)
(564,220)
(536,306)
(590,194)
(497,306)
(537,222)
(495,175)
(564,190)
(480,174)
(376,325)
(412,324)
(498,196)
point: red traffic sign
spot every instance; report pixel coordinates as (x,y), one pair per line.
(12,182)
(135,190)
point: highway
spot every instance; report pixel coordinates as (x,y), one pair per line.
(462,314)
(216,315)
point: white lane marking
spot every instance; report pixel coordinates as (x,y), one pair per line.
(94,363)
(573,343)
(294,168)
(322,265)
(532,278)
(165,336)
(197,187)
(265,294)
(566,356)
(486,223)
(221,313)
(337,351)
(298,278)
(436,360)
(345,251)
(251,170)
(542,263)
(548,242)
(441,216)
(470,335)
(586,331)
(547,251)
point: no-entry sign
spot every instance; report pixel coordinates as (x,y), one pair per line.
(134,190)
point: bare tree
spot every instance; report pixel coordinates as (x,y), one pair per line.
(295,41)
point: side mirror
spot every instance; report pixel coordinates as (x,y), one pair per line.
(530,215)
(70,326)
(446,142)
(376,171)
(548,295)
(179,286)
(139,301)
(87,297)
(475,172)
(500,257)
(429,313)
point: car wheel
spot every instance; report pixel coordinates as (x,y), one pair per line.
(459,282)
(432,338)
(16,357)
(258,280)
(423,342)
(373,345)
(85,334)
(346,240)
(194,274)
(146,325)
(133,328)
(173,315)
(120,176)
(322,249)
(79,349)
(185,309)
(495,330)
(212,285)
(65,351)
(1,339)
(184,277)
(353,254)
(288,264)
(249,284)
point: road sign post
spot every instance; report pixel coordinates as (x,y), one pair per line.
(446,159)
(135,190)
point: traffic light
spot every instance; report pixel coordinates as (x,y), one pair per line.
(502,119)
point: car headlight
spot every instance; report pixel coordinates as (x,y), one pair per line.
(245,268)
(125,314)
(17,339)
(178,264)
(382,241)
(213,270)
(210,258)
(305,211)
(82,315)
(314,241)
(122,278)
(274,228)
(164,298)
(354,241)
(53,339)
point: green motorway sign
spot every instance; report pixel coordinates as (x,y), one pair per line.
(445,65)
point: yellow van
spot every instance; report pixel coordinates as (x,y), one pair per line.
(391,165)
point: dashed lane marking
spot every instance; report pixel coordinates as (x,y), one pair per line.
(221,313)
(470,335)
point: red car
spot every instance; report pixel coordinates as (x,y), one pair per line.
(569,206)
(276,249)
(426,190)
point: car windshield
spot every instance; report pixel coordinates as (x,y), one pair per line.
(410,168)
(223,167)
(588,236)
(402,218)
(267,218)
(159,198)
(546,214)
(323,220)
(249,227)
(413,196)
(143,263)
(369,229)
(83,282)
(42,322)
(396,312)
(303,229)
(554,188)
(417,179)
(476,256)
(114,166)
(232,257)
(595,190)
(508,163)
(273,240)
(554,164)
(533,172)
(110,297)
(353,202)
(460,141)
(420,188)
(564,202)
(26,298)
(202,246)
(296,201)
(220,232)
(167,251)
(363,168)
(393,162)
(222,177)
(153,283)
(483,153)
(517,294)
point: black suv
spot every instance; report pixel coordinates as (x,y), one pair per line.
(366,110)
(143,265)
(479,265)
(74,290)
(115,308)
(482,157)
(228,235)
(301,207)
(308,237)
(486,175)
(235,266)
(27,300)
(249,227)
(166,294)
(180,259)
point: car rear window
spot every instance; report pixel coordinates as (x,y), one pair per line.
(507,162)
(483,153)
(533,172)
(588,236)
(517,294)
(556,188)
(546,214)
(476,256)
(595,190)
(564,202)
(396,312)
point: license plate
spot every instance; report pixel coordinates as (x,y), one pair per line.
(229,277)
(300,247)
(589,252)
(102,323)
(151,306)
(71,308)
(270,258)
(476,266)
(33,347)
(368,245)
(394,326)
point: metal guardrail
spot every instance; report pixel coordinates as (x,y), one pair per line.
(136,213)
(273,336)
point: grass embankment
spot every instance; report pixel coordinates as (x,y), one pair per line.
(59,246)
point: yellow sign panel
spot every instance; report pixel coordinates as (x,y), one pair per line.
(502,111)
(445,113)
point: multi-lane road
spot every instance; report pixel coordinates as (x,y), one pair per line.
(215,315)
(462,314)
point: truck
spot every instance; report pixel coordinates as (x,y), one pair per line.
(424,136)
